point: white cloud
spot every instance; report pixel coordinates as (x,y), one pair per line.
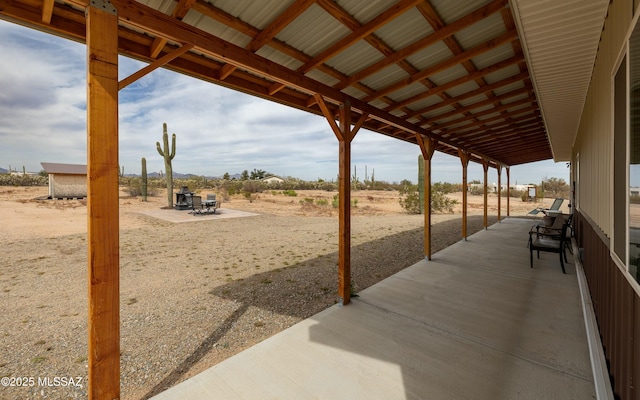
(43,118)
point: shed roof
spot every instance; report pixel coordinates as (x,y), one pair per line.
(505,80)
(66,169)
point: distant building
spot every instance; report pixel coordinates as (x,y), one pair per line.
(66,180)
(271,179)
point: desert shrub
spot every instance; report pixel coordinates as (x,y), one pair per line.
(252,187)
(306,200)
(441,203)
(322,202)
(446,187)
(134,188)
(476,190)
(634,199)
(250,196)
(289,192)
(410,202)
(23,180)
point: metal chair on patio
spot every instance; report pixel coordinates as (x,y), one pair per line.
(549,239)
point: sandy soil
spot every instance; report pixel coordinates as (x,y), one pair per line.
(192,294)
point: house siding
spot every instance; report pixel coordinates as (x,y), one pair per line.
(594,141)
(617,310)
(615,300)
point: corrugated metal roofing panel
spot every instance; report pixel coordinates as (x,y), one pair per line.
(365,11)
(408,91)
(279,57)
(451,11)
(322,77)
(385,77)
(404,30)
(508,88)
(502,74)
(480,32)
(353,58)
(431,100)
(462,89)
(314,23)
(217,29)
(246,10)
(493,56)
(430,56)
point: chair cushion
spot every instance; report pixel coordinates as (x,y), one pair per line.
(546,243)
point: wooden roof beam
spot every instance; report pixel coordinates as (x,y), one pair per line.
(516,118)
(507,124)
(154,65)
(178,12)
(480,91)
(47,10)
(502,97)
(524,102)
(277,25)
(456,82)
(364,31)
(425,42)
(455,60)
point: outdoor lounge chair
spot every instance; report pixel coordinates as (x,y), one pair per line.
(210,204)
(196,205)
(554,207)
(552,240)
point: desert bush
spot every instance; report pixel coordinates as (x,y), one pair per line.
(441,203)
(134,188)
(410,202)
(289,192)
(23,180)
(446,187)
(322,202)
(476,190)
(252,187)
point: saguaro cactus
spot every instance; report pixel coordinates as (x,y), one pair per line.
(143,187)
(421,182)
(168,156)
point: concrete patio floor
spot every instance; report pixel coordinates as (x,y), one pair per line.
(473,323)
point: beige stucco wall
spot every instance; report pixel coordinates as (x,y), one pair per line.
(594,141)
(67,185)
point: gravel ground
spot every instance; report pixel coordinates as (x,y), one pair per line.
(228,285)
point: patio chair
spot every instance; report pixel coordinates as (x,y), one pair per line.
(554,207)
(196,205)
(210,204)
(551,240)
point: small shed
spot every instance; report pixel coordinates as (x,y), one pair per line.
(66,180)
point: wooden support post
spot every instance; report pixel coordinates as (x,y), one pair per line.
(464,158)
(345,136)
(427,147)
(102,203)
(499,168)
(344,206)
(508,190)
(485,167)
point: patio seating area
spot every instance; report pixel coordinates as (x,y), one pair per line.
(475,322)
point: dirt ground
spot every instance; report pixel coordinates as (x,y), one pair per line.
(191,294)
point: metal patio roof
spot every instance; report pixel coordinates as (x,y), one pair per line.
(505,81)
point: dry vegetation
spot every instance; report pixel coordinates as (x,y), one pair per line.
(192,294)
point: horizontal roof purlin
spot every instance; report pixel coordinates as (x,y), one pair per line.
(427,94)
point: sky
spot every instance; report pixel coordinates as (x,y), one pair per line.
(218,130)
